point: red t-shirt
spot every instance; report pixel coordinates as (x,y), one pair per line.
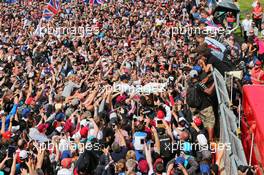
(257,10)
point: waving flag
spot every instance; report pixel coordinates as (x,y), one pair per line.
(11,1)
(51,9)
(99,2)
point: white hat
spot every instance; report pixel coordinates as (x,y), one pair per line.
(59,129)
(113,115)
(23,154)
(15,128)
(182,119)
(84,122)
(202,140)
(125,44)
(193,73)
(171,78)
(76,135)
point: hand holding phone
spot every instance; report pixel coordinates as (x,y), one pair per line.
(11,150)
(142,141)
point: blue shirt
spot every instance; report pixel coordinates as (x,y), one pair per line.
(8,117)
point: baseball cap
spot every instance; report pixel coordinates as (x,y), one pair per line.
(15,128)
(202,140)
(84,132)
(193,73)
(23,154)
(7,135)
(197,121)
(113,118)
(67,126)
(181,119)
(66,163)
(197,68)
(42,127)
(25,112)
(66,154)
(84,122)
(160,114)
(258,63)
(143,166)
(60,116)
(120,98)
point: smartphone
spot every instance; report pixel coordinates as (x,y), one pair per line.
(11,151)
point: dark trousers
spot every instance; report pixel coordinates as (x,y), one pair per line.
(258,23)
(245,36)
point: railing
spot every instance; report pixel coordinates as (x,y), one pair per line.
(228,123)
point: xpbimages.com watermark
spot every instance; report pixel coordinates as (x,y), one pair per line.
(70,145)
(70,31)
(184,30)
(182,146)
(172,147)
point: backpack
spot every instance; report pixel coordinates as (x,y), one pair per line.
(165,146)
(193,97)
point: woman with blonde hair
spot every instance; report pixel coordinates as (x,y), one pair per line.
(131,155)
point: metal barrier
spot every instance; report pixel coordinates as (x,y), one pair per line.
(228,123)
(220,85)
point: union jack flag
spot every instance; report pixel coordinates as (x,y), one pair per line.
(99,2)
(51,9)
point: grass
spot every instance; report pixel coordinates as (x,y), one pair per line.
(245,6)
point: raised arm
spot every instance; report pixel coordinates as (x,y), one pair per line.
(30,89)
(13,167)
(157,141)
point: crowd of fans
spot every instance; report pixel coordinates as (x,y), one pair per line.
(128,98)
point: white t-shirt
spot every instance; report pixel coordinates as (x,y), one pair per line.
(65,171)
(246,24)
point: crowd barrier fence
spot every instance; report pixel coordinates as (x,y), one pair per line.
(228,123)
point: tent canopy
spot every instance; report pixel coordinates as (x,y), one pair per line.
(226,6)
